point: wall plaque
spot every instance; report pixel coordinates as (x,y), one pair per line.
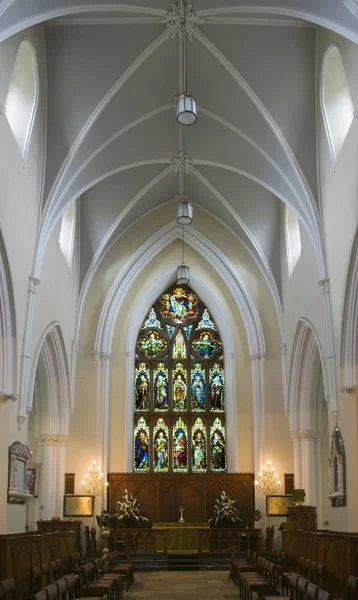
(19,473)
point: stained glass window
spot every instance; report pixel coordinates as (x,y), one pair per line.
(179,388)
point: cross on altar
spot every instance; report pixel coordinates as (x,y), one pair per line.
(181,510)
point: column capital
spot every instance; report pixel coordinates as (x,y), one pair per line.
(62,439)
(324,283)
(295,436)
(258,356)
(33,283)
(6,397)
(309,435)
(48,438)
(75,345)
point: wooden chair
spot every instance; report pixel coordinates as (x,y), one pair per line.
(307,568)
(52,591)
(127,571)
(53,571)
(311,591)
(323,595)
(73,583)
(45,570)
(320,574)
(302,584)
(41,595)
(289,584)
(352,585)
(302,565)
(313,567)
(35,579)
(62,589)
(8,589)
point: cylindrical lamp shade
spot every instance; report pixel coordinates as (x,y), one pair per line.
(185,212)
(186,109)
(183,274)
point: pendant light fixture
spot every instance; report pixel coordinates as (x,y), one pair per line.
(186,103)
(185,207)
(183,269)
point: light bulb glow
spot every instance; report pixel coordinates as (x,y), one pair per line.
(93,462)
(260,474)
(268,462)
(256,482)
(83,482)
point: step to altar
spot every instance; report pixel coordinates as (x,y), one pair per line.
(156,561)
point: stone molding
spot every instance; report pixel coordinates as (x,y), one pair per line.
(33,283)
(6,397)
(309,435)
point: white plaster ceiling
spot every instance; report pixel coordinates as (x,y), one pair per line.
(112,73)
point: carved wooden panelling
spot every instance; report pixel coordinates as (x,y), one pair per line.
(161,495)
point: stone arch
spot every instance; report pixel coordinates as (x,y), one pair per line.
(8,340)
(308,397)
(349,340)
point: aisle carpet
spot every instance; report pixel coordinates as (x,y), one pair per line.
(190,585)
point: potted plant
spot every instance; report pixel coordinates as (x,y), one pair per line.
(225,513)
(128,513)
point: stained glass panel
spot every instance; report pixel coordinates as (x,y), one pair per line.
(141,446)
(161,447)
(217,389)
(179,347)
(152,321)
(171,330)
(142,383)
(179,387)
(152,344)
(187,330)
(179,306)
(206,344)
(160,388)
(206,322)
(198,447)
(217,446)
(198,388)
(180,446)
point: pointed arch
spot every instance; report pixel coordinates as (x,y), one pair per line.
(51,357)
(8,341)
(307,370)
(349,340)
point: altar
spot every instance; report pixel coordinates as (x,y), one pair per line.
(193,537)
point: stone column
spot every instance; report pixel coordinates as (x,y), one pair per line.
(319,470)
(60,458)
(46,454)
(297,458)
(309,466)
(25,353)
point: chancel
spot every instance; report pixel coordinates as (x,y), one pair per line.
(178,293)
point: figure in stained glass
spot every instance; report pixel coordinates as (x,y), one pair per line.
(206,344)
(161,455)
(152,321)
(152,344)
(179,306)
(180,451)
(217,446)
(198,388)
(161,387)
(179,388)
(179,347)
(206,322)
(217,392)
(142,387)
(141,446)
(198,441)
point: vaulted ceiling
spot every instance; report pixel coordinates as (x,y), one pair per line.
(112,72)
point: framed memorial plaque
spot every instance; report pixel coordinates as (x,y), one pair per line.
(34,472)
(276,506)
(78,506)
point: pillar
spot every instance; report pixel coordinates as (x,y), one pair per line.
(309,466)
(297,458)
(60,457)
(46,455)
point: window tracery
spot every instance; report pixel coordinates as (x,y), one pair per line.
(179,388)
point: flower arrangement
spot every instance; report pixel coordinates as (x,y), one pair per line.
(226,512)
(129,509)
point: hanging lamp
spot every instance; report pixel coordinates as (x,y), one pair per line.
(183,269)
(186,103)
